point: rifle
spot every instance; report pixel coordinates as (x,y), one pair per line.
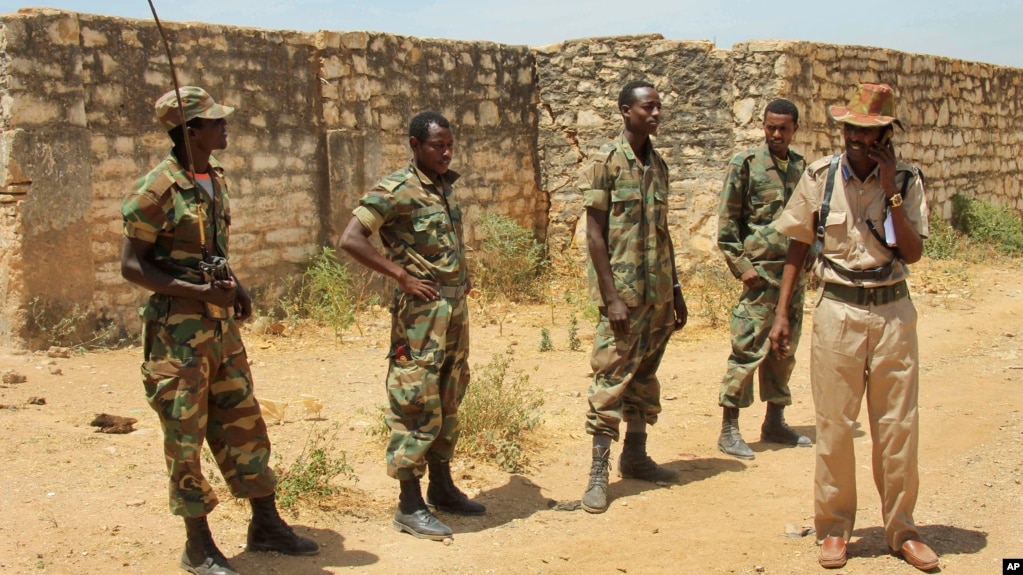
(213,268)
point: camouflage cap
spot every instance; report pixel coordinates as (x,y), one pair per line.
(196,102)
(873,106)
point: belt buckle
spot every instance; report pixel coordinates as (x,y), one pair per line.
(872,294)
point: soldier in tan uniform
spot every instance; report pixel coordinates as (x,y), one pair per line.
(758,184)
(415,213)
(634,284)
(867,214)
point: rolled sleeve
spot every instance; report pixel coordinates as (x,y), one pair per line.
(144,216)
(371,220)
(593,184)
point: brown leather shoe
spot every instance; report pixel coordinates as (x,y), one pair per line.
(919,555)
(832,555)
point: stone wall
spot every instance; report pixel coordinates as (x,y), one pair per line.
(320,117)
(963,122)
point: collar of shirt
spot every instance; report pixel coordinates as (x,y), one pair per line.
(847,171)
(447,179)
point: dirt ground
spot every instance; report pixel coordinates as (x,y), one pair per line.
(79,502)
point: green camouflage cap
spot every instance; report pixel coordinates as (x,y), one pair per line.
(873,106)
(196,102)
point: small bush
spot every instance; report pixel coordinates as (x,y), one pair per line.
(311,476)
(510,262)
(56,323)
(323,293)
(498,411)
(328,292)
(711,291)
(944,242)
(989,224)
(574,343)
(545,340)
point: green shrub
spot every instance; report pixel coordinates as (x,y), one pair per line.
(498,411)
(510,262)
(944,241)
(574,343)
(324,293)
(988,224)
(328,292)
(311,476)
(545,340)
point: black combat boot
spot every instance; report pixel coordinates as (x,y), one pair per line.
(730,442)
(442,494)
(595,498)
(201,556)
(268,532)
(634,463)
(776,430)
(413,517)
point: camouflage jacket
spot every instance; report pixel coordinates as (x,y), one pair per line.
(419,223)
(635,196)
(752,198)
(163,211)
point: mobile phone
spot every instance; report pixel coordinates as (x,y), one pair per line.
(886,138)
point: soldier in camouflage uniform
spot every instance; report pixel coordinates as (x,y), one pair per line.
(634,283)
(420,226)
(195,370)
(759,183)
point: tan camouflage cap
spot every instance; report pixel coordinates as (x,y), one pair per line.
(196,102)
(873,106)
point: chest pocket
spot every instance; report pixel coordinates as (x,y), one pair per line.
(432,230)
(626,199)
(765,191)
(836,234)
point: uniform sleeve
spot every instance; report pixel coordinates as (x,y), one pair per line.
(730,219)
(369,218)
(147,212)
(796,220)
(378,207)
(594,184)
(915,204)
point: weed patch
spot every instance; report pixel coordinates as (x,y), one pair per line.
(311,477)
(498,411)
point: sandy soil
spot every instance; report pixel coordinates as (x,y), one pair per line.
(79,502)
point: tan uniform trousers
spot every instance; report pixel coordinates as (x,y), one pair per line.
(865,350)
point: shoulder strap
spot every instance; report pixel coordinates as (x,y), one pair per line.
(829,187)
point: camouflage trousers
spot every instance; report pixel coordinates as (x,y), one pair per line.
(427,377)
(197,379)
(752,320)
(625,385)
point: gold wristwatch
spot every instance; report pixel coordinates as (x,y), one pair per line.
(895,201)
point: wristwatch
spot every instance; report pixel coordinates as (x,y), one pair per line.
(895,201)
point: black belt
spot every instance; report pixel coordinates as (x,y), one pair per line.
(866,295)
(875,274)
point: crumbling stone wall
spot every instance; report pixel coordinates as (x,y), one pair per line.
(962,120)
(322,116)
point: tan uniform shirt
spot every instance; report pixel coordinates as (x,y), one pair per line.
(848,240)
